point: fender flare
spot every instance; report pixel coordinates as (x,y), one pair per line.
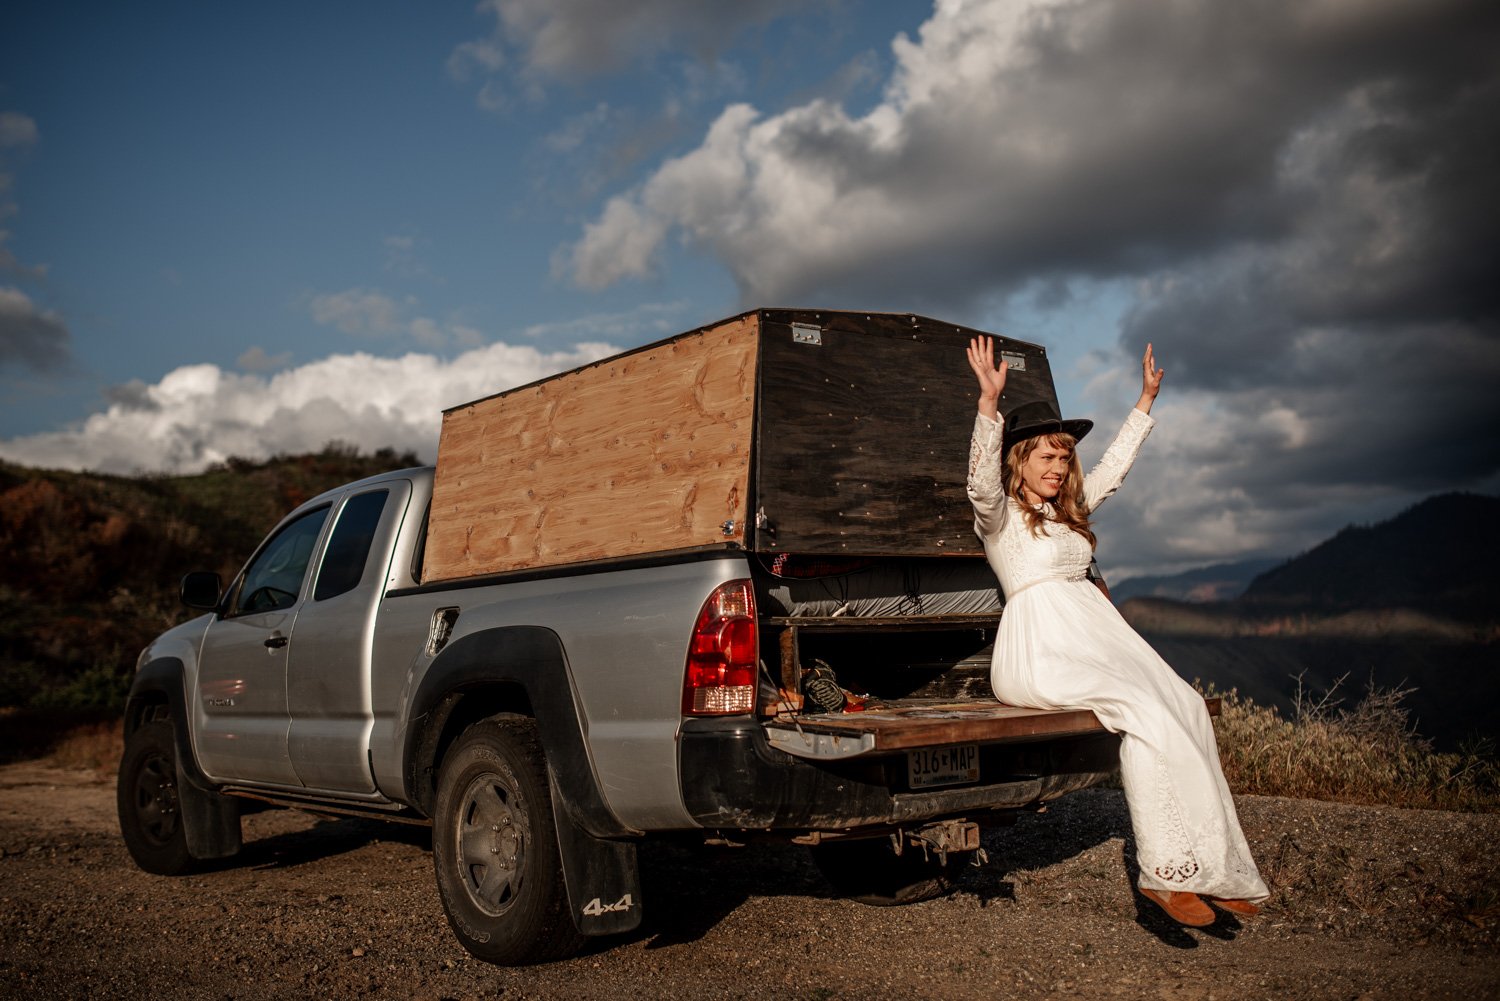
(162,680)
(531,660)
(211,822)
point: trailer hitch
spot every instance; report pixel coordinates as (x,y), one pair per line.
(942,837)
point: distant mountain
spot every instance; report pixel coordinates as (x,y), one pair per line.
(1412,603)
(1438,556)
(1220,582)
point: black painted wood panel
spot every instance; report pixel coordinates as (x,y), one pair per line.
(862,440)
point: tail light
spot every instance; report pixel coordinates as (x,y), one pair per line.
(722,654)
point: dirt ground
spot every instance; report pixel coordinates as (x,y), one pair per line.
(1369,903)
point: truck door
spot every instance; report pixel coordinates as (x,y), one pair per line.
(242,719)
(328,675)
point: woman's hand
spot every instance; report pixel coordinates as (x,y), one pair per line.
(1150,381)
(981,353)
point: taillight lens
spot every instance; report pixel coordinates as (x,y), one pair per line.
(722,654)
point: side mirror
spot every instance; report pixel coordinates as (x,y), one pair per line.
(200,590)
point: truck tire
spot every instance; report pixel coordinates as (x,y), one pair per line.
(869,872)
(147,802)
(494,847)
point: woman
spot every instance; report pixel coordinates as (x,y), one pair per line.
(1062,645)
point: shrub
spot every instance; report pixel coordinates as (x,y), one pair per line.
(1367,754)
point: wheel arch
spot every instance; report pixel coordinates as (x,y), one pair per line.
(157,692)
(443,721)
(210,821)
(516,669)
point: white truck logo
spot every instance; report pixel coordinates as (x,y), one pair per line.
(596,907)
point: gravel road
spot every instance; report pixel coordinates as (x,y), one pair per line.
(1369,903)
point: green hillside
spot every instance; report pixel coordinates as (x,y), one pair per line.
(93,562)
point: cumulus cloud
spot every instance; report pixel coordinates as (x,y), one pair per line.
(30,337)
(1301,194)
(200,414)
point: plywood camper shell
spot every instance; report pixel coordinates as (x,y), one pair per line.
(815,432)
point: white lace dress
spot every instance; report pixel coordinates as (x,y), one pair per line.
(1062,645)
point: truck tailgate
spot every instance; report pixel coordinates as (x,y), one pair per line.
(907,727)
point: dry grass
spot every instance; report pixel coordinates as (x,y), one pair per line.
(95,746)
(91,740)
(1367,754)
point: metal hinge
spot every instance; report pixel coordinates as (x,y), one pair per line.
(807,333)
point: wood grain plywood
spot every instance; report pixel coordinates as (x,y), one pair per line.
(977,721)
(645,452)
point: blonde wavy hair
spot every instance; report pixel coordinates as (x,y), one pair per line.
(1068,507)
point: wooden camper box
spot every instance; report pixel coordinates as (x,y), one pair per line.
(813,432)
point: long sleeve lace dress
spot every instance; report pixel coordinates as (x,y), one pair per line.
(1062,645)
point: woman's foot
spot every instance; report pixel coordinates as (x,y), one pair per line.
(1240,907)
(1184,908)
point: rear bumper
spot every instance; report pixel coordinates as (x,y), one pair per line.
(733,779)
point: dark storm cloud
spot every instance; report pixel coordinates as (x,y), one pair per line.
(1303,195)
(1018,142)
(1134,136)
(1399,215)
(30,337)
(1376,318)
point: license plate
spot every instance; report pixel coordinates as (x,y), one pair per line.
(942,766)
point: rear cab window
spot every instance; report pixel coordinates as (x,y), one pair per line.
(349,545)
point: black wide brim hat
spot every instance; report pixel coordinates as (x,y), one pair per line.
(1031,420)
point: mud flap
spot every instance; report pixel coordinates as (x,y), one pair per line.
(210,822)
(602,877)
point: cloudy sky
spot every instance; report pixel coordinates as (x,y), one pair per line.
(245,229)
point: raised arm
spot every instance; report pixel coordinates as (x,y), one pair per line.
(981,353)
(986,447)
(1107,475)
(1150,380)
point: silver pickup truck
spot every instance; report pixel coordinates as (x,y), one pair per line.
(809,663)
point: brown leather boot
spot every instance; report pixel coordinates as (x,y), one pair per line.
(1184,908)
(1241,907)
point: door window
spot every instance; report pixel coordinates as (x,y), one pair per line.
(274,578)
(349,545)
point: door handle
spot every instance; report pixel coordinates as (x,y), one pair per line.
(276,642)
